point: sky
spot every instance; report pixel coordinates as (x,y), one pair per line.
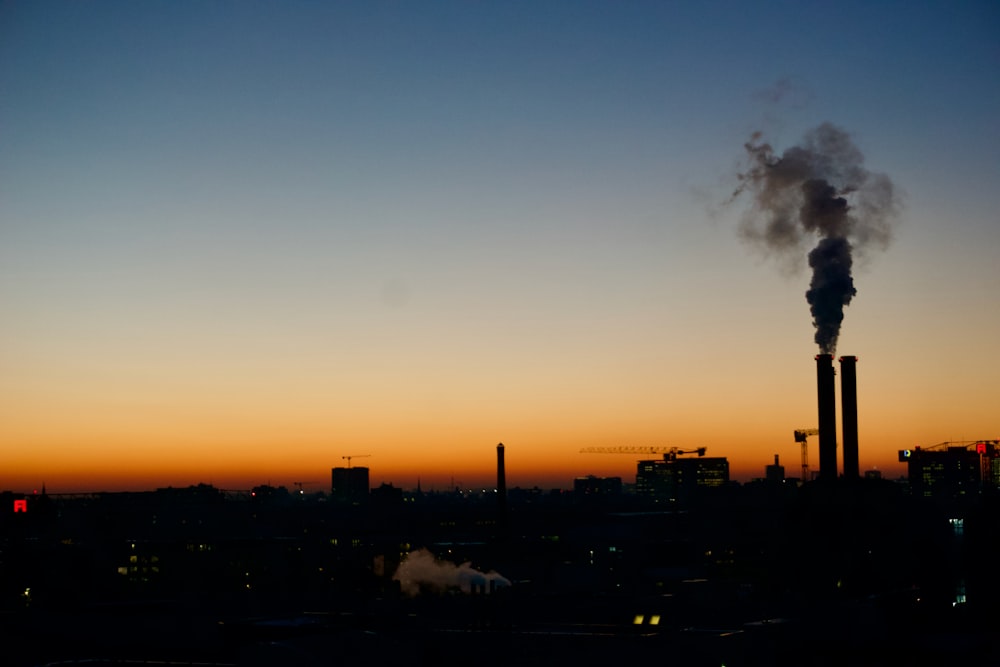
(240,241)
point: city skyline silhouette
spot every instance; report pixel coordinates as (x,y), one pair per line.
(239,244)
(505,334)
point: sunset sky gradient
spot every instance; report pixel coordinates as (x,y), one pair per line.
(241,240)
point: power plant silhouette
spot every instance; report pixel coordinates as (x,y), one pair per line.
(827,415)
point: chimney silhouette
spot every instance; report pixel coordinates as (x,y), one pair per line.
(501,483)
(849,408)
(501,497)
(826,397)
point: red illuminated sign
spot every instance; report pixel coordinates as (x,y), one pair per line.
(20,506)
(980,447)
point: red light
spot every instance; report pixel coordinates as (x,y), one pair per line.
(20,506)
(980,447)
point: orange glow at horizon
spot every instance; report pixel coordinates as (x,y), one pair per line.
(448,465)
(265,425)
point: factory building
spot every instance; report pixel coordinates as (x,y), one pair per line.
(775,474)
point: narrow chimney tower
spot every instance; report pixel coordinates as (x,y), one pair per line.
(826,394)
(501,482)
(849,408)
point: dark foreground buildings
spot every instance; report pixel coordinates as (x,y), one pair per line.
(832,572)
(953,471)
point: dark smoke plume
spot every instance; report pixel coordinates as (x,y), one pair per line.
(818,190)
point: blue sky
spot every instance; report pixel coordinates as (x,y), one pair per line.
(280,193)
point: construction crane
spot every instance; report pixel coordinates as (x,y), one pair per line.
(802,436)
(669,453)
(299,484)
(354,456)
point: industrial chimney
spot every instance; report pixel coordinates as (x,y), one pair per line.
(849,408)
(501,482)
(826,397)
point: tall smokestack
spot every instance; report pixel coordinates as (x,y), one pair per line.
(501,485)
(826,397)
(849,407)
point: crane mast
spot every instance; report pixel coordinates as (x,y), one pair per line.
(802,436)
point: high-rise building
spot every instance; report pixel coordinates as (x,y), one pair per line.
(350,486)
(678,479)
(950,472)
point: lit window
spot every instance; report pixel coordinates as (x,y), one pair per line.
(639,618)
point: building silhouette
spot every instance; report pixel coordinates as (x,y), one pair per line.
(350,486)
(204,576)
(679,479)
(592,486)
(952,471)
(775,472)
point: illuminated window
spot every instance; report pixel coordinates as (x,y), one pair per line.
(960,594)
(639,618)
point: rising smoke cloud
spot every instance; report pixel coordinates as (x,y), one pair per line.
(817,191)
(422,571)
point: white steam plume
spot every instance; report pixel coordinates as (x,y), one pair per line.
(421,570)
